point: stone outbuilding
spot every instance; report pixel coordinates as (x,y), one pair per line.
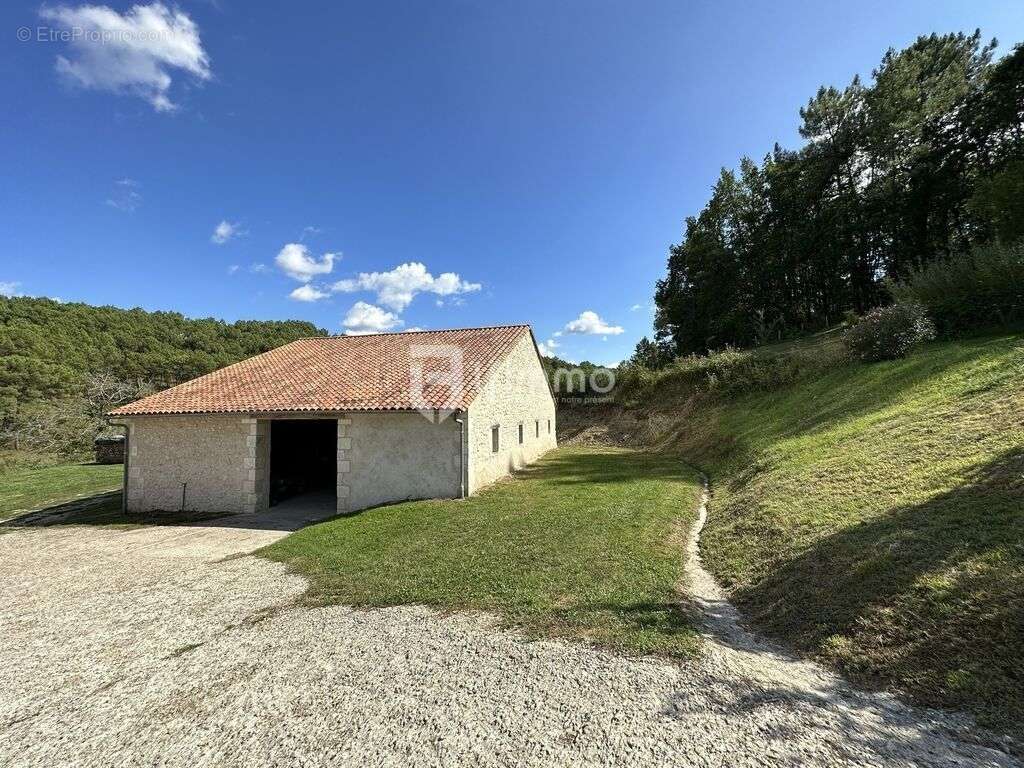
(109,449)
(368,419)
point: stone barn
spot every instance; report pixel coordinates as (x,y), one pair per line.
(365,419)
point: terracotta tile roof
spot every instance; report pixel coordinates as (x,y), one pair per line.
(345,373)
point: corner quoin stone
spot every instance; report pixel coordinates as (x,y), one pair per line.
(344,464)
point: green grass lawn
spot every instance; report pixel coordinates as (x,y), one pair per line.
(25,490)
(874,517)
(588,543)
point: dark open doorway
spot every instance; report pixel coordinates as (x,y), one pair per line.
(303,457)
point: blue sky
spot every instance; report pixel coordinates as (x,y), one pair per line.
(526,162)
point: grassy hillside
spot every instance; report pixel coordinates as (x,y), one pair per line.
(873,516)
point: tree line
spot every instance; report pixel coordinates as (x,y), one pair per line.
(923,162)
(63,365)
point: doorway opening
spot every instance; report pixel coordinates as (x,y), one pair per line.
(303,458)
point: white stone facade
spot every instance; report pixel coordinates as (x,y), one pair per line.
(192,463)
(515,393)
(400,456)
(221,463)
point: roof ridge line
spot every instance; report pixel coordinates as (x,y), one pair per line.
(332,379)
(407,333)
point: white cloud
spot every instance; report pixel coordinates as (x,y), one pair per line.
(396,289)
(308,293)
(547,348)
(10,290)
(557,334)
(636,307)
(258,269)
(591,324)
(295,261)
(414,329)
(225,231)
(233,268)
(366,318)
(132,53)
(126,195)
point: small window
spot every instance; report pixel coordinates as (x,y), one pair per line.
(495,438)
(549,426)
(520,434)
(536,426)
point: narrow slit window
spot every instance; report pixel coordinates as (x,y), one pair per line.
(520,434)
(549,426)
(536,425)
(495,438)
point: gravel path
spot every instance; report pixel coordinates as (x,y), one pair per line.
(164,646)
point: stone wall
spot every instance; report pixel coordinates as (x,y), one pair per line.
(215,457)
(344,489)
(515,393)
(223,461)
(109,450)
(257,464)
(394,457)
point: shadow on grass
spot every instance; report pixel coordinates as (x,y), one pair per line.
(616,466)
(929,597)
(104,509)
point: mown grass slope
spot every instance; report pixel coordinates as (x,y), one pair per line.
(873,517)
(586,544)
(24,490)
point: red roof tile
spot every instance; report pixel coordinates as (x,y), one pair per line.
(346,373)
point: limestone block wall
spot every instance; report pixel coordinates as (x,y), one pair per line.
(386,457)
(109,450)
(515,393)
(257,465)
(218,457)
(344,489)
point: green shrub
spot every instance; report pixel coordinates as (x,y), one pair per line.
(722,375)
(980,289)
(889,333)
(633,380)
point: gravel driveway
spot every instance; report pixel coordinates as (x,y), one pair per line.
(165,646)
